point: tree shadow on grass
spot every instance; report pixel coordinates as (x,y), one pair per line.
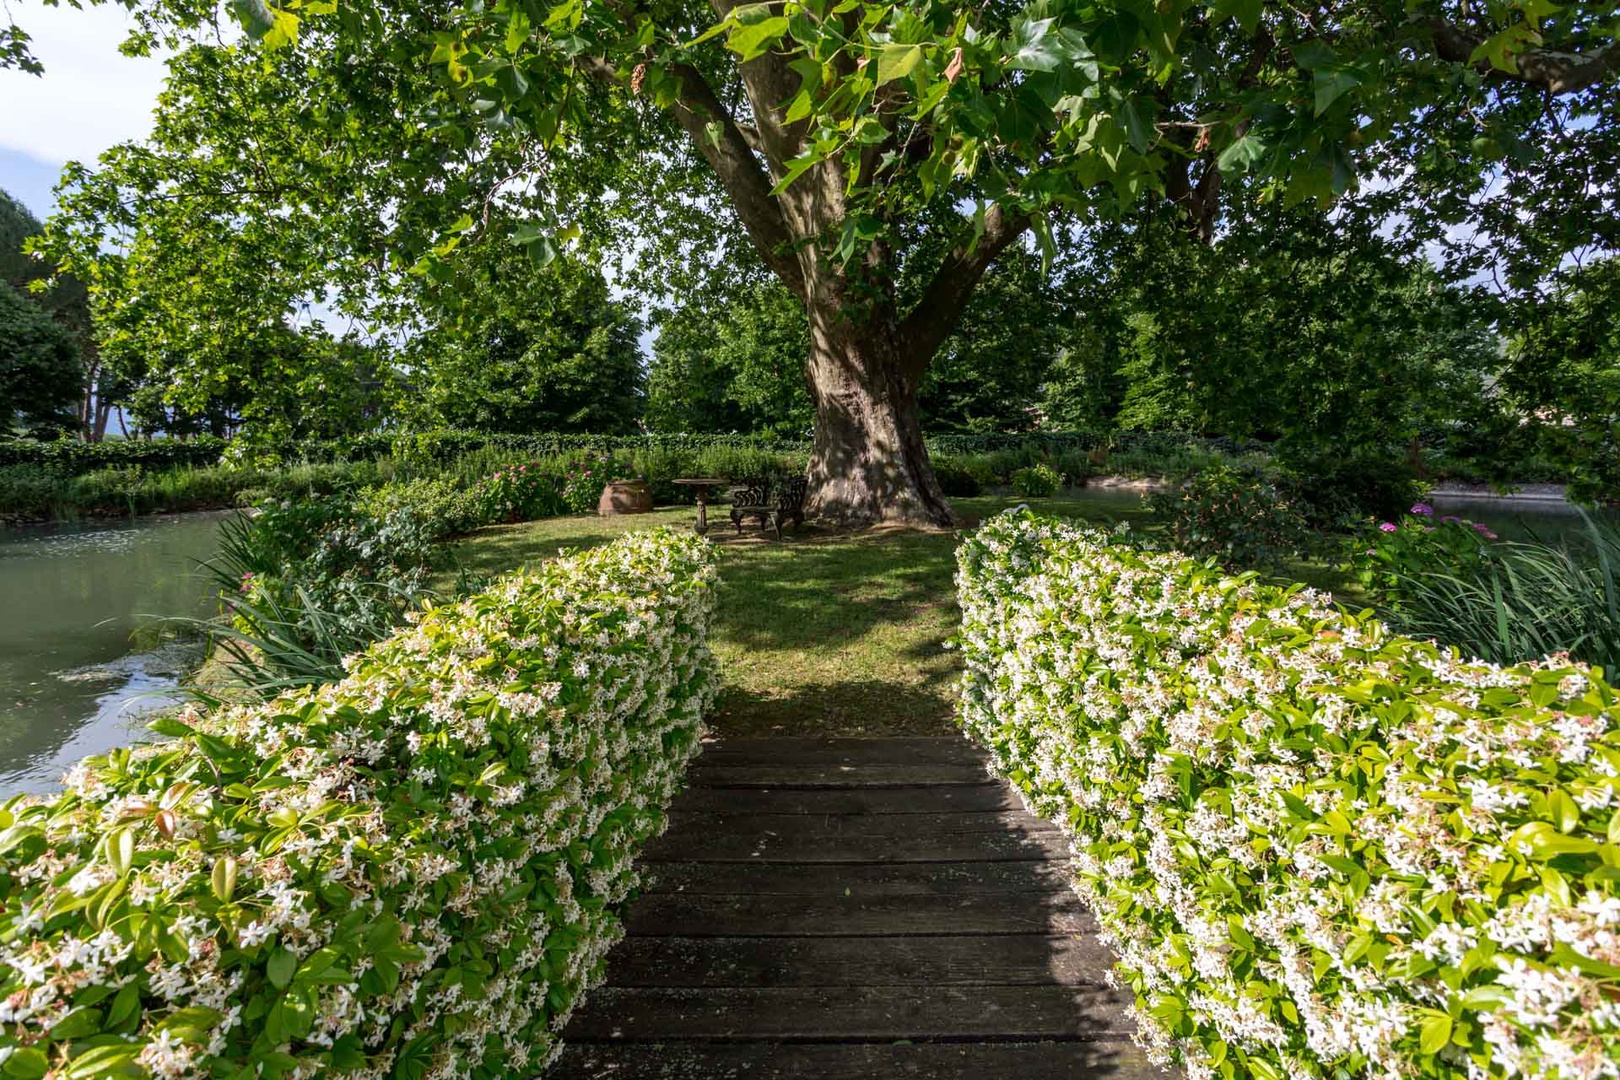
(863,707)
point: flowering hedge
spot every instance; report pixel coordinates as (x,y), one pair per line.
(1319,850)
(409,873)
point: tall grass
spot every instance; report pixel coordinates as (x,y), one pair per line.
(1527,600)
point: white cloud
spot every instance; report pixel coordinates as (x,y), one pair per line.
(91,95)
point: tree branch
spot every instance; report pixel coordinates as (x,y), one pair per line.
(726,147)
(933,318)
(770,85)
(1557,70)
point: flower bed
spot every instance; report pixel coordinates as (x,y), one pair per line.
(409,873)
(1319,849)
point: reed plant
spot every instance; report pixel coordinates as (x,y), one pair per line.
(1525,600)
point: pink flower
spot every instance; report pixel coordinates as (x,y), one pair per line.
(1483,531)
(1386,527)
(1423,508)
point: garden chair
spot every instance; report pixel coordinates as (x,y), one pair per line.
(772,500)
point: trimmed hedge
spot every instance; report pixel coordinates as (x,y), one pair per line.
(73,457)
(410,873)
(1319,849)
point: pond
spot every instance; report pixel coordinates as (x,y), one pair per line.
(74,601)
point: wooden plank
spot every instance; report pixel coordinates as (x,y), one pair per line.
(791,915)
(843,751)
(1110,1059)
(858,838)
(867,880)
(960,1013)
(936,799)
(995,960)
(831,776)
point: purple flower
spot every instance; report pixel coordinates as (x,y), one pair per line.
(1386,527)
(1483,531)
(1450,518)
(1423,508)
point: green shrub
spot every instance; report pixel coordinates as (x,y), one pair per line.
(305,583)
(517,493)
(411,872)
(1387,557)
(1037,481)
(1319,849)
(1244,517)
(955,478)
(70,457)
(1513,601)
(445,507)
(27,492)
(1340,490)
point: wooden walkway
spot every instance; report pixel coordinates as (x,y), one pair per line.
(834,908)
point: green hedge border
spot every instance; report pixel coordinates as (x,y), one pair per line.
(73,457)
(409,873)
(1319,849)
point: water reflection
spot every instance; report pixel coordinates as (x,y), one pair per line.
(71,601)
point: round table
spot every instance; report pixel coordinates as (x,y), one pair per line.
(701,485)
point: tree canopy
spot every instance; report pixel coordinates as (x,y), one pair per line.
(876,158)
(542,351)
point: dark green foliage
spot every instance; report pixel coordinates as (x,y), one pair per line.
(70,456)
(1037,481)
(1245,517)
(987,375)
(304,584)
(1292,328)
(541,350)
(40,378)
(1509,602)
(1338,490)
(1565,365)
(956,478)
(733,365)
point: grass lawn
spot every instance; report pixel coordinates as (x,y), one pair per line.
(824,633)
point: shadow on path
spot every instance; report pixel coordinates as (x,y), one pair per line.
(855,908)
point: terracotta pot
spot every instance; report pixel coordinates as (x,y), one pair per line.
(625,497)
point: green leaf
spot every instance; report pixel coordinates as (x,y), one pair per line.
(119,849)
(1138,118)
(1034,46)
(1565,814)
(26,1062)
(1246,12)
(76,1025)
(795,168)
(1242,154)
(753,37)
(896,62)
(168,725)
(801,106)
(283,964)
(224,878)
(1435,1033)
(254,16)
(1331,84)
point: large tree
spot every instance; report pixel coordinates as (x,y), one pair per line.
(65,300)
(39,368)
(546,350)
(855,145)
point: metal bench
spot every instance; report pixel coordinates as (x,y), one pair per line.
(774,500)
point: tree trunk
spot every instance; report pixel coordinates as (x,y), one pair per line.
(868,463)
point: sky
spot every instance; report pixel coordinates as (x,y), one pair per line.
(89,98)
